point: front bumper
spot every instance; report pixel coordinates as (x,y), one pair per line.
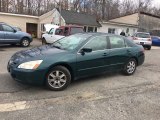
(35,77)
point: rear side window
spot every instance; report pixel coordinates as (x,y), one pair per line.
(97,43)
(142,35)
(117,42)
(130,43)
(75,30)
(59,32)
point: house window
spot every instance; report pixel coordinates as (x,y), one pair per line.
(95,29)
(111,30)
(127,30)
(85,28)
(42,27)
(90,29)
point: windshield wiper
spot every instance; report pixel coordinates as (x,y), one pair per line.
(56,46)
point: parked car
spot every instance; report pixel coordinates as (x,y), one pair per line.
(74,57)
(155,40)
(9,35)
(50,37)
(60,32)
(143,39)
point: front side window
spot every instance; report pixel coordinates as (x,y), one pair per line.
(97,43)
(51,31)
(111,30)
(117,42)
(7,28)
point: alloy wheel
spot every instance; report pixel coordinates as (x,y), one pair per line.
(131,66)
(57,79)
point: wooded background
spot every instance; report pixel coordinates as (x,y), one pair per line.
(103,9)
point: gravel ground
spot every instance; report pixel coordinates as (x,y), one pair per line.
(104,97)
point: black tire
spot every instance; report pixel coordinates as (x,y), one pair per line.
(126,67)
(149,47)
(25,42)
(44,41)
(52,82)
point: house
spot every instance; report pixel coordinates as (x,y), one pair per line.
(143,22)
(27,23)
(66,17)
(35,24)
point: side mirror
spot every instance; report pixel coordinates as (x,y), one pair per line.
(85,50)
(15,31)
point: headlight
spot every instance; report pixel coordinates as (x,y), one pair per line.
(30,65)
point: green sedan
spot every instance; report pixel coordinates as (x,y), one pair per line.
(74,57)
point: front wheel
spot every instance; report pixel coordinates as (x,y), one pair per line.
(44,41)
(58,78)
(25,42)
(130,67)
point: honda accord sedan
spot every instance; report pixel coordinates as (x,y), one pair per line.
(74,57)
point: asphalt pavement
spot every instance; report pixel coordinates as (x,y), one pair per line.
(110,96)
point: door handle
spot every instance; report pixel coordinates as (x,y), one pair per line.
(105,54)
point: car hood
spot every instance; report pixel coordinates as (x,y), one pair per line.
(34,53)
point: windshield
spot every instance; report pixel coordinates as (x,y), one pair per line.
(143,35)
(70,42)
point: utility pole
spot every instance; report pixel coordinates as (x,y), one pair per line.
(139,14)
(60,8)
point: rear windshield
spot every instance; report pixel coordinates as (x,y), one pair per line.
(142,35)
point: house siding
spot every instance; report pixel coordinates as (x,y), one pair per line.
(118,28)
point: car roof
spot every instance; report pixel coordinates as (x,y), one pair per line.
(97,34)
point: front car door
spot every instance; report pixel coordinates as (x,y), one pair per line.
(93,62)
(118,52)
(10,34)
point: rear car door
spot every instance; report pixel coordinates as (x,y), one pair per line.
(10,34)
(93,62)
(118,53)
(2,33)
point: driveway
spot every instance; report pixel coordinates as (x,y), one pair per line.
(104,97)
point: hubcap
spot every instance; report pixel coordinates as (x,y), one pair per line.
(57,79)
(131,67)
(25,42)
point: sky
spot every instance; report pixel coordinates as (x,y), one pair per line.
(156,2)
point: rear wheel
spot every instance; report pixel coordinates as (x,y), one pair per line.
(58,78)
(149,47)
(25,42)
(130,67)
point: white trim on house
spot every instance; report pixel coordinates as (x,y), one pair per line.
(18,15)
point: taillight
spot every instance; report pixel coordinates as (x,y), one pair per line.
(135,38)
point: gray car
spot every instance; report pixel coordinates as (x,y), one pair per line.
(9,35)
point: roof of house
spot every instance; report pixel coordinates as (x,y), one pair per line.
(72,17)
(18,15)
